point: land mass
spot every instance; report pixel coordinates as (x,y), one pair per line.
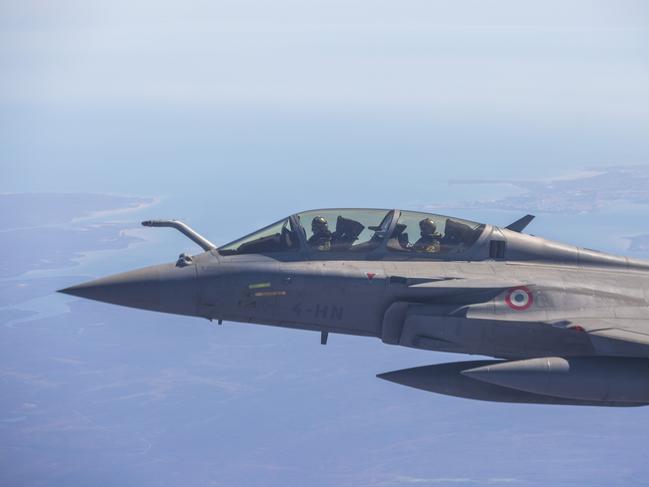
(50,231)
(589,192)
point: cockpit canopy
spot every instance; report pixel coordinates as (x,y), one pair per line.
(344,230)
(355,231)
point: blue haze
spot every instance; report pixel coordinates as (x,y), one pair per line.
(231,115)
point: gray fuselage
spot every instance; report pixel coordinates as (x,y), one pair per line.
(485,290)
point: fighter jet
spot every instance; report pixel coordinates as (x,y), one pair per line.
(564,325)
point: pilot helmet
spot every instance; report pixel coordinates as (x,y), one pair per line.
(427,226)
(319,224)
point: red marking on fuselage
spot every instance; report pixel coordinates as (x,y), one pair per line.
(519,306)
(370,275)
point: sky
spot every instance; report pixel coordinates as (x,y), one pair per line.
(460,57)
(232,115)
(99,94)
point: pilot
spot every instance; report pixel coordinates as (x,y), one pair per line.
(430,239)
(321,238)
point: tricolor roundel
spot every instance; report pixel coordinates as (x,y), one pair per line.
(519,298)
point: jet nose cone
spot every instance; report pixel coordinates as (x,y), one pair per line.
(165,288)
(134,288)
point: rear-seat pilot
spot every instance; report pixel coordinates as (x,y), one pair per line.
(430,239)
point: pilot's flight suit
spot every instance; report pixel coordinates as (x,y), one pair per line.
(321,238)
(430,239)
(428,243)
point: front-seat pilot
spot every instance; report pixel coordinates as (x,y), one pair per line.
(321,238)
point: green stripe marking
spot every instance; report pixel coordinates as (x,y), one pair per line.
(259,285)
